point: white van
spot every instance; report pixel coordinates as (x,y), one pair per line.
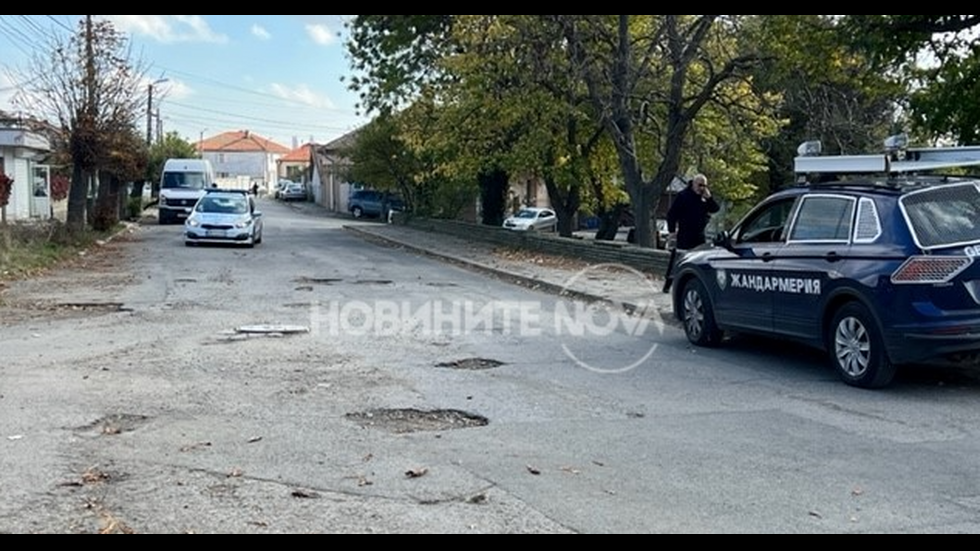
(182,184)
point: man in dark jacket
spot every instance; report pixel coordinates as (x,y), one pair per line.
(688,219)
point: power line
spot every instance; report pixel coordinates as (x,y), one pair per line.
(60,24)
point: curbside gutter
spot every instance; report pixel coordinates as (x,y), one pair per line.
(517,279)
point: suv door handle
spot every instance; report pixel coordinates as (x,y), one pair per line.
(768,257)
(832,256)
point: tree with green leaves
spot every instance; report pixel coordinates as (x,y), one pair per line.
(668,92)
(937,59)
(89,85)
(829,92)
(172,146)
(651,78)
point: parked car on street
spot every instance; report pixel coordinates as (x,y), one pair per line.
(534,220)
(876,264)
(293,192)
(374,204)
(224,217)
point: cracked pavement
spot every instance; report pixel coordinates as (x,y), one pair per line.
(132,402)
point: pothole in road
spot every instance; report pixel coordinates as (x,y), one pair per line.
(97,307)
(317,281)
(114,425)
(472,364)
(409,421)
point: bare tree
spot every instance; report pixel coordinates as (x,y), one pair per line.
(89,86)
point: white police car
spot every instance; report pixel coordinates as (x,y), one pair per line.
(876,265)
(224,217)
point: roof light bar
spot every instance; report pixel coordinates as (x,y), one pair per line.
(898,159)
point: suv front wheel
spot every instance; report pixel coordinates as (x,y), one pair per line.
(857,349)
(699,316)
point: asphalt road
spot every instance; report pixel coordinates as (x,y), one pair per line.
(131,401)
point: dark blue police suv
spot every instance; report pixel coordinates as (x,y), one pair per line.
(875,265)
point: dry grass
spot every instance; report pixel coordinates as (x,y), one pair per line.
(29,250)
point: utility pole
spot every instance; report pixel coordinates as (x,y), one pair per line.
(149,115)
(149,109)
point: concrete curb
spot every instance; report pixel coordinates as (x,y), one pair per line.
(518,279)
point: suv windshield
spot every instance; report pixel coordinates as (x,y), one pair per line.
(184,180)
(947,216)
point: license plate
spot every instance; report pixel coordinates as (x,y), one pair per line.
(214,234)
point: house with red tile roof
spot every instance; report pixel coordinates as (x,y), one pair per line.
(242,159)
(297,165)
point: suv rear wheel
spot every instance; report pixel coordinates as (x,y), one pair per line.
(857,349)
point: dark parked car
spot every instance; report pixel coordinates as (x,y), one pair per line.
(875,264)
(374,204)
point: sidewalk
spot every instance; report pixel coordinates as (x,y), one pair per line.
(619,285)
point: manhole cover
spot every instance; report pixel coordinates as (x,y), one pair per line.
(472,364)
(407,421)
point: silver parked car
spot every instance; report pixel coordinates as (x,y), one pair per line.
(533,220)
(294,192)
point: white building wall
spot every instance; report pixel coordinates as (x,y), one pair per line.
(20,196)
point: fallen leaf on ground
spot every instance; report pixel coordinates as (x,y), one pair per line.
(533,470)
(416,473)
(255,440)
(569,470)
(94,476)
(305,494)
(236,473)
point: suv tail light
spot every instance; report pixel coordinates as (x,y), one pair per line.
(931,270)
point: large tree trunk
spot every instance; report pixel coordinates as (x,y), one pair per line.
(566,205)
(107,203)
(137,191)
(609,223)
(78,200)
(493,197)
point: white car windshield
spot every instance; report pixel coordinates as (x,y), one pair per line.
(223,205)
(526,215)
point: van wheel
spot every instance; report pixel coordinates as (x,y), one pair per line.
(857,349)
(358,212)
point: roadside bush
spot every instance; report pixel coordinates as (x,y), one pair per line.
(6,185)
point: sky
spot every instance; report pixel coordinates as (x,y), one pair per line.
(277,76)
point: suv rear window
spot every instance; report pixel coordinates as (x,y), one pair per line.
(946,216)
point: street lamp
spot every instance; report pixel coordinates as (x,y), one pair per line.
(149,109)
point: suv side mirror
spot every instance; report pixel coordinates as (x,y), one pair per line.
(724,240)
